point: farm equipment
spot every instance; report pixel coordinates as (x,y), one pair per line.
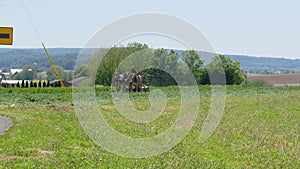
(130,82)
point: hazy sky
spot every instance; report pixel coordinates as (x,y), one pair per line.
(256,27)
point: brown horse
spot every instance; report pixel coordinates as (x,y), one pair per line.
(136,83)
(128,81)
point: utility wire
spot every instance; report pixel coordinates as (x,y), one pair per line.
(46,51)
(31,20)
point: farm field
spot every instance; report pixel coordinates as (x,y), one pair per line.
(260,129)
(277,79)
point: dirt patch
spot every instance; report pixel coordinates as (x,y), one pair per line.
(108,107)
(278,80)
(9,158)
(172,108)
(44,153)
(74,148)
(38,153)
(60,108)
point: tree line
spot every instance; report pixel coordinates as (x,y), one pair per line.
(165,65)
(36,84)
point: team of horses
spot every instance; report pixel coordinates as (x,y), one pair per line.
(129,82)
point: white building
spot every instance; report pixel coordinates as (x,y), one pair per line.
(13,83)
(14,71)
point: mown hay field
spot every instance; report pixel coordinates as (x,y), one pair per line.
(260,129)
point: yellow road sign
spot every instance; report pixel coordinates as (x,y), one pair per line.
(6,35)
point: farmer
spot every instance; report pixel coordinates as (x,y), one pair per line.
(117,80)
(133,70)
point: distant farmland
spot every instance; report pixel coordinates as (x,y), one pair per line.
(277,79)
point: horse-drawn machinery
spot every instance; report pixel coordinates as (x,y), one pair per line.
(129,82)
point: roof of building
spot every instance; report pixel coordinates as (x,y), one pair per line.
(66,84)
(78,81)
(13,82)
(14,71)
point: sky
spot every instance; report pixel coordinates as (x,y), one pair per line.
(256,27)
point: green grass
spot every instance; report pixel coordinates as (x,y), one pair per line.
(259,129)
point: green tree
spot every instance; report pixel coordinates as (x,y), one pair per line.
(48,83)
(160,77)
(205,78)
(51,74)
(22,84)
(195,64)
(17,76)
(81,71)
(111,60)
(44,84)
(233,73)
(28,73)
(69,76)
(165,68)
(57,84)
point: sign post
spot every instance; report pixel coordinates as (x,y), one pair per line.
(6,35)
(57,74)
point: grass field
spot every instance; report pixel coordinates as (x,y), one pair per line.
(260,129)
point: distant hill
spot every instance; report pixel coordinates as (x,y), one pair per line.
(17,58)
(66,58)
(267,63)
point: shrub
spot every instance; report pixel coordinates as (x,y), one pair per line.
(22,84)
(257,83)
